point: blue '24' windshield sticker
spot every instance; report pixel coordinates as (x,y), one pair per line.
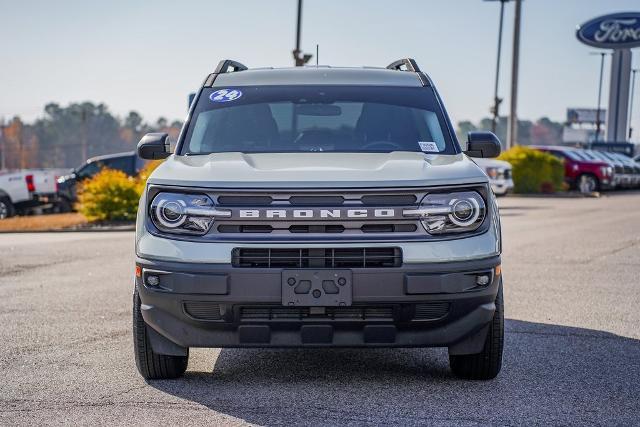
(225,95)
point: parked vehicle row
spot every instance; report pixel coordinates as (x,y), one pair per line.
(55,190)
(591,170)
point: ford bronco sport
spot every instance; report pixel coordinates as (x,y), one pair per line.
(318,207)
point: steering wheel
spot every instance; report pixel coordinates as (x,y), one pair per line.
(382,144)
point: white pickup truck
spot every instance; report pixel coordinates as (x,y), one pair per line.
(14,192)
(27,189)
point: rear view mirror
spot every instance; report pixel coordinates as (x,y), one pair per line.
(154,146)
(320,110)
(482,144)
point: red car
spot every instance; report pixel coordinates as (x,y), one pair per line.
(581,174)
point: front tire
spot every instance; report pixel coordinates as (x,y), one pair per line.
(588,183)
(151,365)
(63,205)
(487,364)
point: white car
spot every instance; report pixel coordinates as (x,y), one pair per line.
(499,173)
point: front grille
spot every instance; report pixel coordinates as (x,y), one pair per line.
(285,224)
(353,313)
(317,228)
(202,310)
(431,311)
(316,258)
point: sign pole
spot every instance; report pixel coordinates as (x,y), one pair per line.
(598,121)
(619,95)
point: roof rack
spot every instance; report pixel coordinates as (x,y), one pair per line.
(409,64)
(229,66)
(224,66)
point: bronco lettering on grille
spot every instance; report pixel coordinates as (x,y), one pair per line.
(276,214)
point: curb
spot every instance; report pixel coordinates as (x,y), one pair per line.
(126,228)
(560,195)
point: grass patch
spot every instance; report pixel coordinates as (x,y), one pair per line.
(42,222)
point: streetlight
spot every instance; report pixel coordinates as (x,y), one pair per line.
(299,58)
(512,129)
(496,100)
(598,121)
(633,87)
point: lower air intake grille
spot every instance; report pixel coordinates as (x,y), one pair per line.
(353,313)
(431,311)
(316,258)
(202,310)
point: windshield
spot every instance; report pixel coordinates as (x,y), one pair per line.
(317,119)
(573,155)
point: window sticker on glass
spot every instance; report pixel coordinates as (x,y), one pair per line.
(428,146)
(225,95)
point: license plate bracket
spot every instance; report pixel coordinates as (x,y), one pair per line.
(317,288)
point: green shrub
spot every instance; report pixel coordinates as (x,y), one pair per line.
(533,170)
(110,195)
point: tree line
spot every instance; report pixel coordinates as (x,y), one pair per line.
(544,131)
(65,137)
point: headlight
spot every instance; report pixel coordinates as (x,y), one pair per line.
(442,213)
(184,213)
(493,173)
(606,170)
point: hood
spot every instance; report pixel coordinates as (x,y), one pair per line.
(319,170)
(492,163)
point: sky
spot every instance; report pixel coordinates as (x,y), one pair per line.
(148,55)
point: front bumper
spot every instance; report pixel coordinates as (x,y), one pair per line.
(501,186)
(415,305)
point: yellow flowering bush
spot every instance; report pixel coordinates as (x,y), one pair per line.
(533,170)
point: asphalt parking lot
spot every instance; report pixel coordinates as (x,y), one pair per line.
(572,292)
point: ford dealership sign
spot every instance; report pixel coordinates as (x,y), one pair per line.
(615,31)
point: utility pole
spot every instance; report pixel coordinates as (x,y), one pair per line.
(633,89)
(299,58)
(495,110)
(83,117)
(512,129)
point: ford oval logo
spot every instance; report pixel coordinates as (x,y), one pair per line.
(615,31)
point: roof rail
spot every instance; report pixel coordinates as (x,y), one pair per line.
(229,66)
(409,64)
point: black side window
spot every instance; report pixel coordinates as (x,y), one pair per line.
(124,164)
(88,170)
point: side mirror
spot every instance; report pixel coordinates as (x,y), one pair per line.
(154,146)
(482,144)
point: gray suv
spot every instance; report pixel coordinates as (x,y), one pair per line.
(318,207)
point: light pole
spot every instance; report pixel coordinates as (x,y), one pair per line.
(512,129)
(633,87)
(299,58)
(496,101)
(599,110)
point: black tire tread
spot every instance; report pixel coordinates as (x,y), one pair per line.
(150,364)
(487,364)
